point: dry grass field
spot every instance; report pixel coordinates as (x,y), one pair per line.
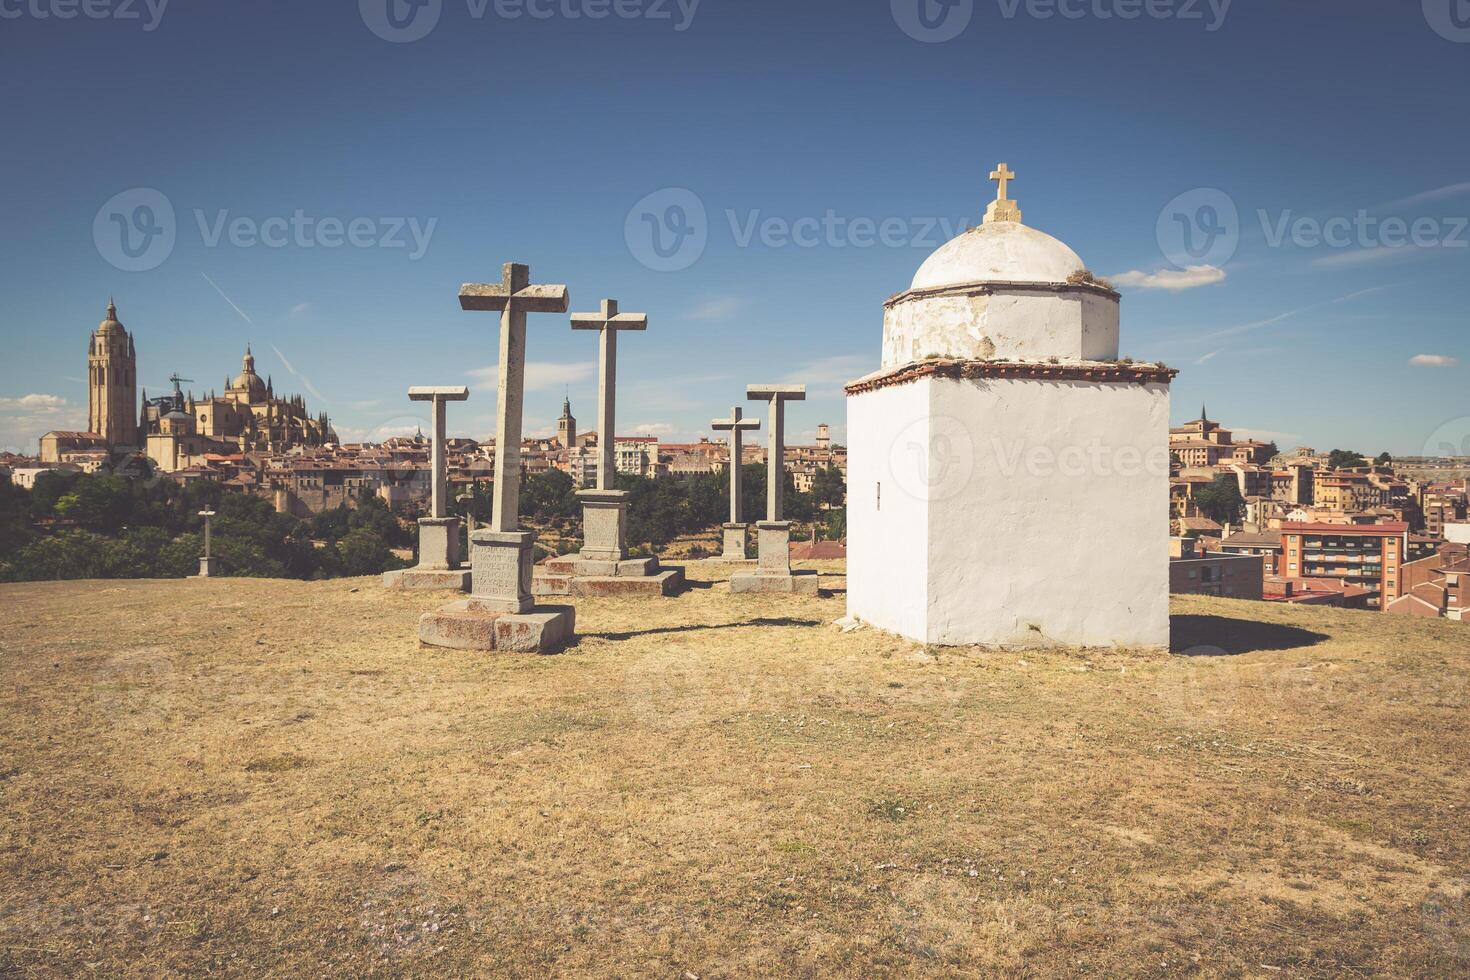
(246,777)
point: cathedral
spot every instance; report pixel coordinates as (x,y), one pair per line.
(248,417)
(177,431)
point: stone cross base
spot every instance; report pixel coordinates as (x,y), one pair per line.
(208,567)
(502,565)
(572,575)
(438,542)
(604,524)
(737,542)
(472,624)
(773,572)
(428,580)
(773,548)
(801,581)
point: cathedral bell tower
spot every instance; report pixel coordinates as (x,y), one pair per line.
(112,383)
(566,426)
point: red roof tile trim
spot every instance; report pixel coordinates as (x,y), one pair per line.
(978,370)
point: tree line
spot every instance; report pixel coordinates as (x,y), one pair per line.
(74,525)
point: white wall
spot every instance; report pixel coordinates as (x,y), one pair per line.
(1021,325)
(1059,533)
(1458,533)
(887,539)
(1014,512)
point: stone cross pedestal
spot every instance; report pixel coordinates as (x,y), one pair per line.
(737,534)
(208,564)
(439,560)
(773,572)
(500,613)
(603,566)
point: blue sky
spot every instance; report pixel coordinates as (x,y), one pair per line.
(514,130)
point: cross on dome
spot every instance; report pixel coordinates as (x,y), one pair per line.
(1003,208)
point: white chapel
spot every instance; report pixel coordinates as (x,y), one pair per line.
(1008,475)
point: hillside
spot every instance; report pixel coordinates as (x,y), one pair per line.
(250,776)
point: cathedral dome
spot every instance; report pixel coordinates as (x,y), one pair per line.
(248,381)
(110,323)
(998,251)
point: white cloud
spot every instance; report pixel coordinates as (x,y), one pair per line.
(1434,360)
(539,374)
(300,309)
(659,429)
(25,419)
(719,308)
(837,371)
(1205,358)
(32,403)
(1438,194)
(1172,280)
(1368,256)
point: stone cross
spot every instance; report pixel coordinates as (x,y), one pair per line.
(1003,208)
(467,501)
(778,396)
(1004,176)
(438,477)
(513,297)
(608,323)
(207,561)
(737,425)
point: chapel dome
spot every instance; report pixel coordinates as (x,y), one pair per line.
(998,251)
(1002,292)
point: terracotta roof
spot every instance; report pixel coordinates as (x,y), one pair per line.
(978,370)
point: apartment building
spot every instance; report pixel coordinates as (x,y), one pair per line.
(1369,555)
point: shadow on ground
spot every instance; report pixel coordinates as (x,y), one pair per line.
(1218,636)
(699,627)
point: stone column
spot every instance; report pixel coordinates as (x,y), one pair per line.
(501,554)
(773,535)
(208,564)
(605,509)
(438,533)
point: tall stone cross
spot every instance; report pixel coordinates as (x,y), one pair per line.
(513,297)
(778,396)
(208,531)
(438,497)
(737,425)
(608,323)
(1003,208)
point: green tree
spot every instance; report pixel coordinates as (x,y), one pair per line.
(1221,500)
(1345,459)
(1384,459)
(364,552)
(829,487)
